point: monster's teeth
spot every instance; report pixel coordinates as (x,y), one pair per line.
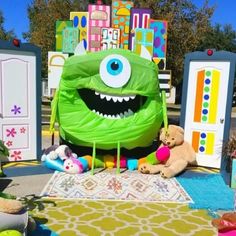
(126,99)
(97,93)
(130,112)
(102,96)
(108,98)
(114,98)
(132,97)
(120,99)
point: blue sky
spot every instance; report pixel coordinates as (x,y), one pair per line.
(15,13)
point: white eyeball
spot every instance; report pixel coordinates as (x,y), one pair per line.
(115,71)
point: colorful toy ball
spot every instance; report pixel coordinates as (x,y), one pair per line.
(163,153)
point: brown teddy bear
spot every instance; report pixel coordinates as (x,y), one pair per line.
(181,154)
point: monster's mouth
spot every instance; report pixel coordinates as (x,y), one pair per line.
(111,106)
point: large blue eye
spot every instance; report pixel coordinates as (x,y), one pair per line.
(114,67)
(115,70)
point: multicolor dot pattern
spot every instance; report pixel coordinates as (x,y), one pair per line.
(203,142)
(207,92)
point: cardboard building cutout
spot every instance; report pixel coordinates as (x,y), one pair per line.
(207,102)
(121,20)
(99,16)
(20,96)
(80,21)
(56,61)
(60,26)
(139,18)
(108,98)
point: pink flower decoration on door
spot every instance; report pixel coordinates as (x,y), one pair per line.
(16,155)
(11,132)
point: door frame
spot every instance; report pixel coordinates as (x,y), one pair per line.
(15,46)
(210,55)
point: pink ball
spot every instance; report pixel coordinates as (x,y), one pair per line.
(163,153)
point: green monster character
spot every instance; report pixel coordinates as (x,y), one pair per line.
(108,99)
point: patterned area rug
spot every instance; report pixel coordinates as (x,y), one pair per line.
(107,185)
(121,218)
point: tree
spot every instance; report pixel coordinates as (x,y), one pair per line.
(5,35)
(220,38)
(43,15)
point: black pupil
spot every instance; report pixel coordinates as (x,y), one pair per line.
(114,66)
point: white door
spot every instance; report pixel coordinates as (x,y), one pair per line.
(205,110)
(18,104)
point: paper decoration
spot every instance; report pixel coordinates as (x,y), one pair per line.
(121,20)
(55,63)
(70,39)
(143,37)
(99,16)
(60,26)
(164,77)
(110,38)
(207,102)
(139,19)
(80,21)
(160,38)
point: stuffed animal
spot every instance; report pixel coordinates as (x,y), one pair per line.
(3,153)
(58,151)
(181,154)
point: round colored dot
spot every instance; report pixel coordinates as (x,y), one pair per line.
(204,111)
(163,31)
(208,73)
(203,135)
(128,6)
(207,81)
(116,4)
(76,21)
(204,118)
(206,89)
(201,149)
(122,19)
(202,142)
(83,21)
(206,97)
(116,22)
(205,104)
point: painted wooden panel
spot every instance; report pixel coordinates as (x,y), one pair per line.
(55,64)
(160,38)
(19,123)
(60,26)
(143,37)
(110,38)
(80,21)
(99,16)
(205,113)
(70,39)
(139,18)
(121,20)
